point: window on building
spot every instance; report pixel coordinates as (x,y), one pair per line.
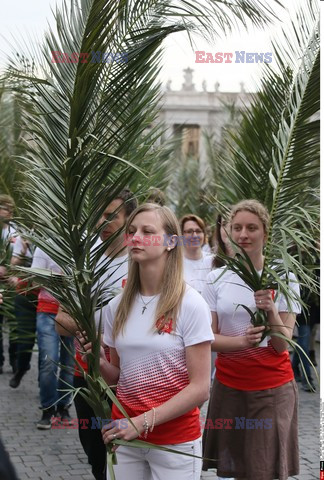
(190,138)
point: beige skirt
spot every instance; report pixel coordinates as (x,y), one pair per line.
(252,434)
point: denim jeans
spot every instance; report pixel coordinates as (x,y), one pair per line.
(55,363)
(303,341)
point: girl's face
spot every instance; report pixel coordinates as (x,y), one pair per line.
(247,231)
(147,238)
(225,232)
(193,235)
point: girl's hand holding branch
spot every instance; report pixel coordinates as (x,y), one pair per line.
(122,429)
(87,348)
(264,300)
(253,336)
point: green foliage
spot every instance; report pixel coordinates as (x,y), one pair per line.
(12,178)
(89,134)
(189,190)
(274,156)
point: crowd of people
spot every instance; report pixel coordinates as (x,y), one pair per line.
(174,317)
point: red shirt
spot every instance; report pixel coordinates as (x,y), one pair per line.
(257,368)
(179,429)
(84,365)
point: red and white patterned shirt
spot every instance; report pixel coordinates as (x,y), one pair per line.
(256,368)
(153,366)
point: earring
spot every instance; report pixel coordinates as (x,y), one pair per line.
(168,249)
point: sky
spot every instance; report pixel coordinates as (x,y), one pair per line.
(27,19)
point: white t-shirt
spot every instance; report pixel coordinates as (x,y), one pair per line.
(153,366)
(224,295)
(195,271)
(112,279)
(42,260)
(255,368)
(19,248)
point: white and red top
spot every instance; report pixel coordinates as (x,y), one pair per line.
(153,366)
(26,256)
(111,283)
(46,302)
(256,368)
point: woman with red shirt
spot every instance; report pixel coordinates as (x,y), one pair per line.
(251,429)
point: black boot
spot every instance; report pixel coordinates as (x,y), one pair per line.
(16,379)
(63,415)
(45,422)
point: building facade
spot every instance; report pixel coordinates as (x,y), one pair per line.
(191,112)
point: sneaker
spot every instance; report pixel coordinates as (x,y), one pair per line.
(45,422)
(63,415)
(16,379)
(309,387)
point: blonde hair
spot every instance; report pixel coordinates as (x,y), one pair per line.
(252,206)
(173,285)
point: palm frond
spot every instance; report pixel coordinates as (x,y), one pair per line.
(274,154)
(88,132)
(294,176)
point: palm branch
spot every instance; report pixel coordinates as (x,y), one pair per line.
(88,135)
(189,189)
(12,178)
(274,156)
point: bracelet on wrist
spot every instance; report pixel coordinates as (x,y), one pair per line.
(153,420)
(145,425)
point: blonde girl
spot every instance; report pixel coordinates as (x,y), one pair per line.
(159,334)
(254,392)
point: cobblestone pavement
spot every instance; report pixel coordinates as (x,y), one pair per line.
(57,454)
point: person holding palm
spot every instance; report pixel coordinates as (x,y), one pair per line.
(159,334)
(254,381)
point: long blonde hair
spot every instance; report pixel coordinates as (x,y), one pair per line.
(173,285)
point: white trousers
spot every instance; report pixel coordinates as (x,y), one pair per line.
(149,464)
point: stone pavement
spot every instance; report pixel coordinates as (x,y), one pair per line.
(57,454)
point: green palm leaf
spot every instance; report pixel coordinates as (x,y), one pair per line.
(274,155)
